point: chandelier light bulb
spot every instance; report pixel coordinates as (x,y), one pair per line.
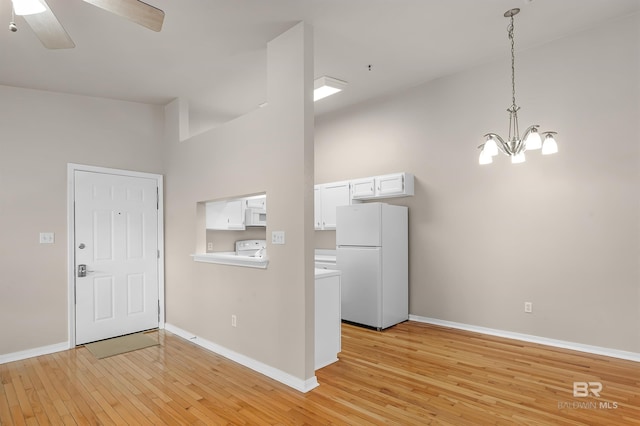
(550,146)
(490,147)
(518,158)
(534,141)
(485,158)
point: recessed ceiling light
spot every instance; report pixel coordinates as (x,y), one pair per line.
(327,86)
(27,7)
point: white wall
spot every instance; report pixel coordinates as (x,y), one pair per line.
(561,231)
(41,133)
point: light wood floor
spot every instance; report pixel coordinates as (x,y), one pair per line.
(411,374)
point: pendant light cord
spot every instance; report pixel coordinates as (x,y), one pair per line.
(514,130)
(513,65)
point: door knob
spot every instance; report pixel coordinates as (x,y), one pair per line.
(82,271)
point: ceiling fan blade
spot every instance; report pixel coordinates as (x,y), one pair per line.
(133,10)
(49,30)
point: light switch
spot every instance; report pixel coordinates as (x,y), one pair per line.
(47,238)
(277,237)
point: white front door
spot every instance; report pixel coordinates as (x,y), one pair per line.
(116,244)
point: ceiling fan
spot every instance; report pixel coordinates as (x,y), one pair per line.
(48,29)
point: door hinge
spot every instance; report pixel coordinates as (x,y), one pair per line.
(157,198)
(158,311)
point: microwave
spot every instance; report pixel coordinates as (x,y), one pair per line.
(255,217)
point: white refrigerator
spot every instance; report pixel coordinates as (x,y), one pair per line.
(373,256)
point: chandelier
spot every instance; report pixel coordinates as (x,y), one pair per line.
(515,146)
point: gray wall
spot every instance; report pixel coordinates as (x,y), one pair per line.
(559,231)
(267,151)
(41,133)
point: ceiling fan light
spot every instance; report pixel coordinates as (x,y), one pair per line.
(518,158)
(28,7)
(550,146)
(534,141)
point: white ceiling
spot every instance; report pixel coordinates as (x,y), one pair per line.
(213,52)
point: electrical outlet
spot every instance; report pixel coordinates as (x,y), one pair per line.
(209,246)
(234,321)
(528,307)
(47,238)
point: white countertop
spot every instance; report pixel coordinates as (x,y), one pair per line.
(231,258)
(323,273)
(324,255)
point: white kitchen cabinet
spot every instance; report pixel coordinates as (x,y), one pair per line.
(385,186)
(363,188)
(393,185)
(327,197)
(225,215)
(328,316)
(334,195)
(317,207)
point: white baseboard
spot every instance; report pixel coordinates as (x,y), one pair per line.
(597,350)
(30,353)
(264,369)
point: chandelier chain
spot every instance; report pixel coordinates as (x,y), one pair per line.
(513,64)
(514,130)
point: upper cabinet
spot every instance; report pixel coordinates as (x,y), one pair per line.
(363,188)
(385,186)
(236,214)
(225,215)
(395,185)
(327,197)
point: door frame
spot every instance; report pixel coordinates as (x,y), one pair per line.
(71,270)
